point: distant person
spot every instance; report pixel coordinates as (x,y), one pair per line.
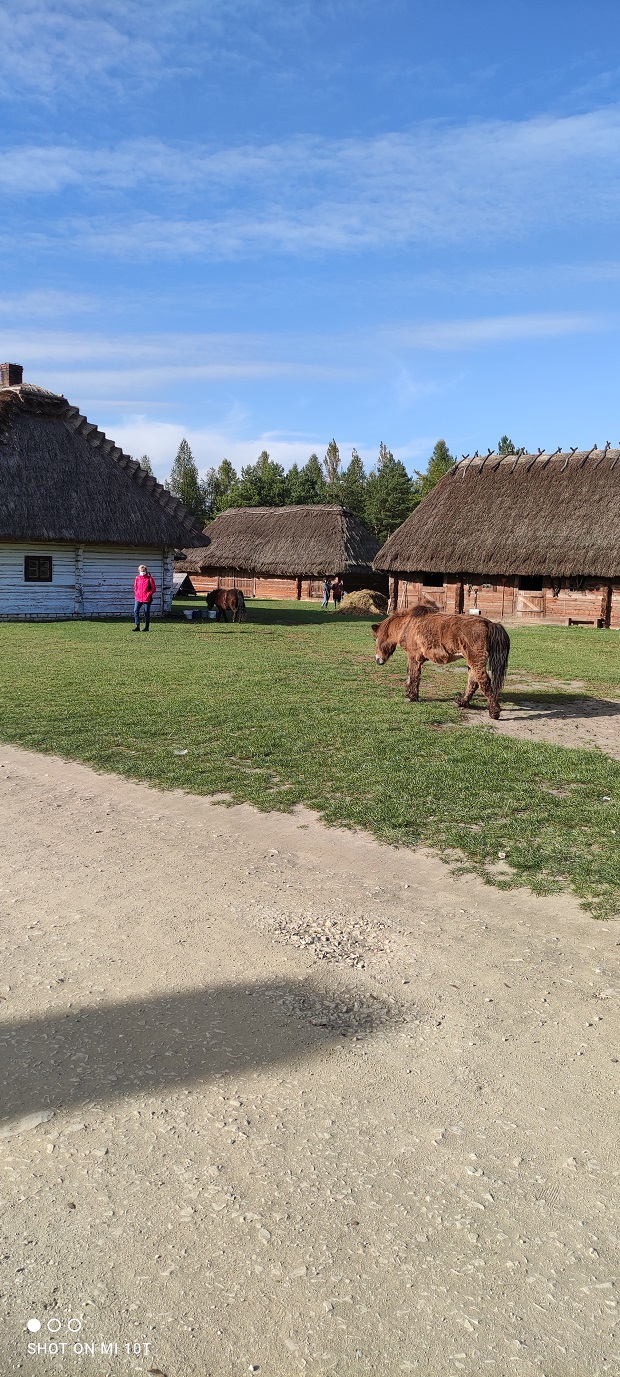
(337,591)
(143,589)
(327,588)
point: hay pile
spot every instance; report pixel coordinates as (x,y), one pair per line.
(365,603)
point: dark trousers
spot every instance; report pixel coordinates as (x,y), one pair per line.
(137,610)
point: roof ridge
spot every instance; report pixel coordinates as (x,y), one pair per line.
(530,461)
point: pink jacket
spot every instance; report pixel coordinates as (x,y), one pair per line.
(144,587)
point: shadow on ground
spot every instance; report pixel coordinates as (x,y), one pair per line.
(179,1039)
(545,705)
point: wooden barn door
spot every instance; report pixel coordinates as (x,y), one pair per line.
(529,604)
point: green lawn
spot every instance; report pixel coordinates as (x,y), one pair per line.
(290,707)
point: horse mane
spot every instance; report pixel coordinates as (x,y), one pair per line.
(422,609)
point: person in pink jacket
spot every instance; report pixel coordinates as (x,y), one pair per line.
(143,589)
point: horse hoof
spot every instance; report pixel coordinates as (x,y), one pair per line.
(495,716)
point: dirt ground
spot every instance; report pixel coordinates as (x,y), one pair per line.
(554,712)
(280,1099)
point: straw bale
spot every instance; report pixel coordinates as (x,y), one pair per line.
(364,603)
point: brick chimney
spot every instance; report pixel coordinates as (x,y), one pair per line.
(11,374)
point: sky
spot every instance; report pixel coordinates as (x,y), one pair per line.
(261,224)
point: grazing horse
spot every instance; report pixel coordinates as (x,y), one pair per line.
(426,634)
(227,600)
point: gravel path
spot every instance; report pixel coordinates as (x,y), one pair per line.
(279,1099)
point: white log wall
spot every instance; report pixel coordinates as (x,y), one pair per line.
(87,581)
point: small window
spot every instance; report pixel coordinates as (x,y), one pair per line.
(432,580)
(530,583)
(38,569)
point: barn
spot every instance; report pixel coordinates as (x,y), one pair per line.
(77,515)
(527,537)
(283,552)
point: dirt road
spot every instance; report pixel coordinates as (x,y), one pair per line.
(279,1099)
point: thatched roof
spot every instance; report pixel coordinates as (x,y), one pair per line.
(288,542)
(539,514)
(61,479)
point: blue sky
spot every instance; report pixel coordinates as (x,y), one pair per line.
(264,223)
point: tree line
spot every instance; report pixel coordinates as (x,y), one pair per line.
(382,498)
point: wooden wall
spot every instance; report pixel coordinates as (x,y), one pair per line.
(258,586)
(253,586)
(591,602)
(87,581)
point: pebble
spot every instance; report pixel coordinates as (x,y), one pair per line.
(26,1123)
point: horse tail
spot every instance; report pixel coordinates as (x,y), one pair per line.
(499,648)
(241,609)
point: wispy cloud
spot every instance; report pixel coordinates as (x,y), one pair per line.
(466,334)
(69,49)
(119,365)
(439,184)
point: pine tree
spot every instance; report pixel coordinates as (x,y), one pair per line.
(390,495)
(145,464)
(506,446)
(352,486)
(185,483)
(440,463)
(262,484)
(217,487)
(331,462)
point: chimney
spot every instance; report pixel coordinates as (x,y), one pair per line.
(11,374)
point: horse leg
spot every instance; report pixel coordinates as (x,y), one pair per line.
(412,688)
(486,688)
(464,699)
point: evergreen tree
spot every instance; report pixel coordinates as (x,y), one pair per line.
(306,486)
(185,483)
(262,484)
(506,446)
(145,464)
(217,487)
(331,462)
(352,486)
(440,463)
(390,495)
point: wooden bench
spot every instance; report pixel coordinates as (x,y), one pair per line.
(585,621)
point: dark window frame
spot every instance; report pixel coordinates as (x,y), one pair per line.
(45,561)
(531,583)
(429,580)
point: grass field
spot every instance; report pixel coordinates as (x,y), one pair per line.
(291,708)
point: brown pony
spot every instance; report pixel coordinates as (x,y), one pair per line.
(426,634)
(227,600)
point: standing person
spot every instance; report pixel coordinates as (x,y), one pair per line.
(337,591)
(327,588)
(143,589)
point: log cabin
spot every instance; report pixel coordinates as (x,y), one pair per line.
(283,552)
(520,537)
(77,515)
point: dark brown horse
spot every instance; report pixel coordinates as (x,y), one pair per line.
(426,634)
(227,600)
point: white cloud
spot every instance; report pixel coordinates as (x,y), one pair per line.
(140,434)
(124,365)
(440,184)
(66,47)
(463,334)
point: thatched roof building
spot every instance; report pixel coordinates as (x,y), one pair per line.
(62,479)
(77,514)
(540,523)
(285,541)
(282,551)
